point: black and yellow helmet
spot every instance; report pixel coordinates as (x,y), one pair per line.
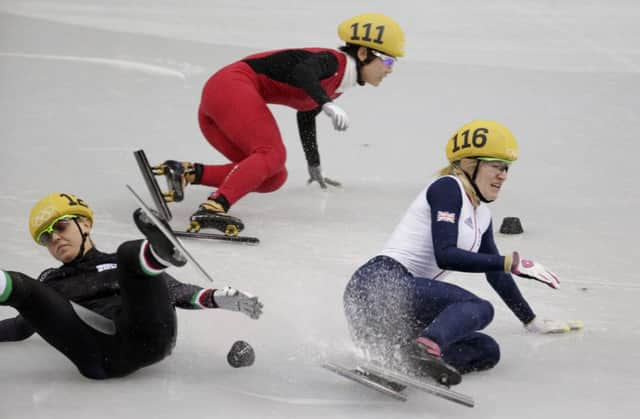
(484,140)
(53,207)
(374,30)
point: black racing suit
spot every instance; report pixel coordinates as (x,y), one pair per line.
(114,286)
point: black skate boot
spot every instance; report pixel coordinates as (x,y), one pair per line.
(426,361)
(160,244)
(178,176)
(211,214)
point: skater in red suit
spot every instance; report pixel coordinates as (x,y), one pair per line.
(235,119)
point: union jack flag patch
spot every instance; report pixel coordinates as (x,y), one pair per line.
(449,217)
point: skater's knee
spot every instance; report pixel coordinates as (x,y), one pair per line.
(477,353)
(495,354)
(274,157)
(485,312)
(16,287)
(128,254)
(274,183)
(491,354)
(94,373)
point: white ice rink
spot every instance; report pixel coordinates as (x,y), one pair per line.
(84,83)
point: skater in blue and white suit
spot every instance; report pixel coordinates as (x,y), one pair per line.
(398,305)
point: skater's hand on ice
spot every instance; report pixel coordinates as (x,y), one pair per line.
(552,326)
(232,299)
(315,175)
(533,270)
(338,116)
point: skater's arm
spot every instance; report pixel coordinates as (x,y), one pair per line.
(183,295)
(445,199)
(190,296)
(307,130)
(504,284)
(15,329)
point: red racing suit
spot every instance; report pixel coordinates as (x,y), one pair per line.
(235,119)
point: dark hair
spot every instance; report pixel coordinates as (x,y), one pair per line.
(352,50)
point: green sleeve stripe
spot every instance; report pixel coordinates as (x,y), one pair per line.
(195,299)
(8,287)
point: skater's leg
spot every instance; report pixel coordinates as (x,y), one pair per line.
(147,321)
(475,352)
(266,158)
(381,306)
(55,320)
(449,313)
(215,175)
(274,182)
(241,114)
(219,140)
(377,303)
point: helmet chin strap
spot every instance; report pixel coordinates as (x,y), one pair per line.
(472,180)
(84,240)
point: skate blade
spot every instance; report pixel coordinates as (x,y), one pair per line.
(380,380)
(575,324)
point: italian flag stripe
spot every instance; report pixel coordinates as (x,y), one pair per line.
(144,263)
(5,286)
(195,300)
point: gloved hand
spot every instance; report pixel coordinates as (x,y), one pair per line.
(533,270)
(337,115)
(315,175)
(552,326)
(232,299)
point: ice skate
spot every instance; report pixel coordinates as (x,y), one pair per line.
(160,244)
(178,176)
(211,214)
(398,387)
(426,362)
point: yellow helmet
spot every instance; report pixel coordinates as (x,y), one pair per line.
(486,140)
(52,207)
(374,30)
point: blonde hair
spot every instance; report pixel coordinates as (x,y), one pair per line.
(454,169)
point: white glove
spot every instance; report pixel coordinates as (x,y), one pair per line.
(232,299)
(552,326)
(315,175)
(337,115)
(529,269)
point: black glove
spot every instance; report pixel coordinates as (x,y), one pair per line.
(315,175)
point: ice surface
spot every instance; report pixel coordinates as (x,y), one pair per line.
(84,83)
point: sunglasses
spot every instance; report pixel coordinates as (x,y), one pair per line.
(498,166)
(386,60)
(59,225)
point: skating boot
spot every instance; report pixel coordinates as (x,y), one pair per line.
(211,214)
(160,244)
(425,360)
(178,176)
